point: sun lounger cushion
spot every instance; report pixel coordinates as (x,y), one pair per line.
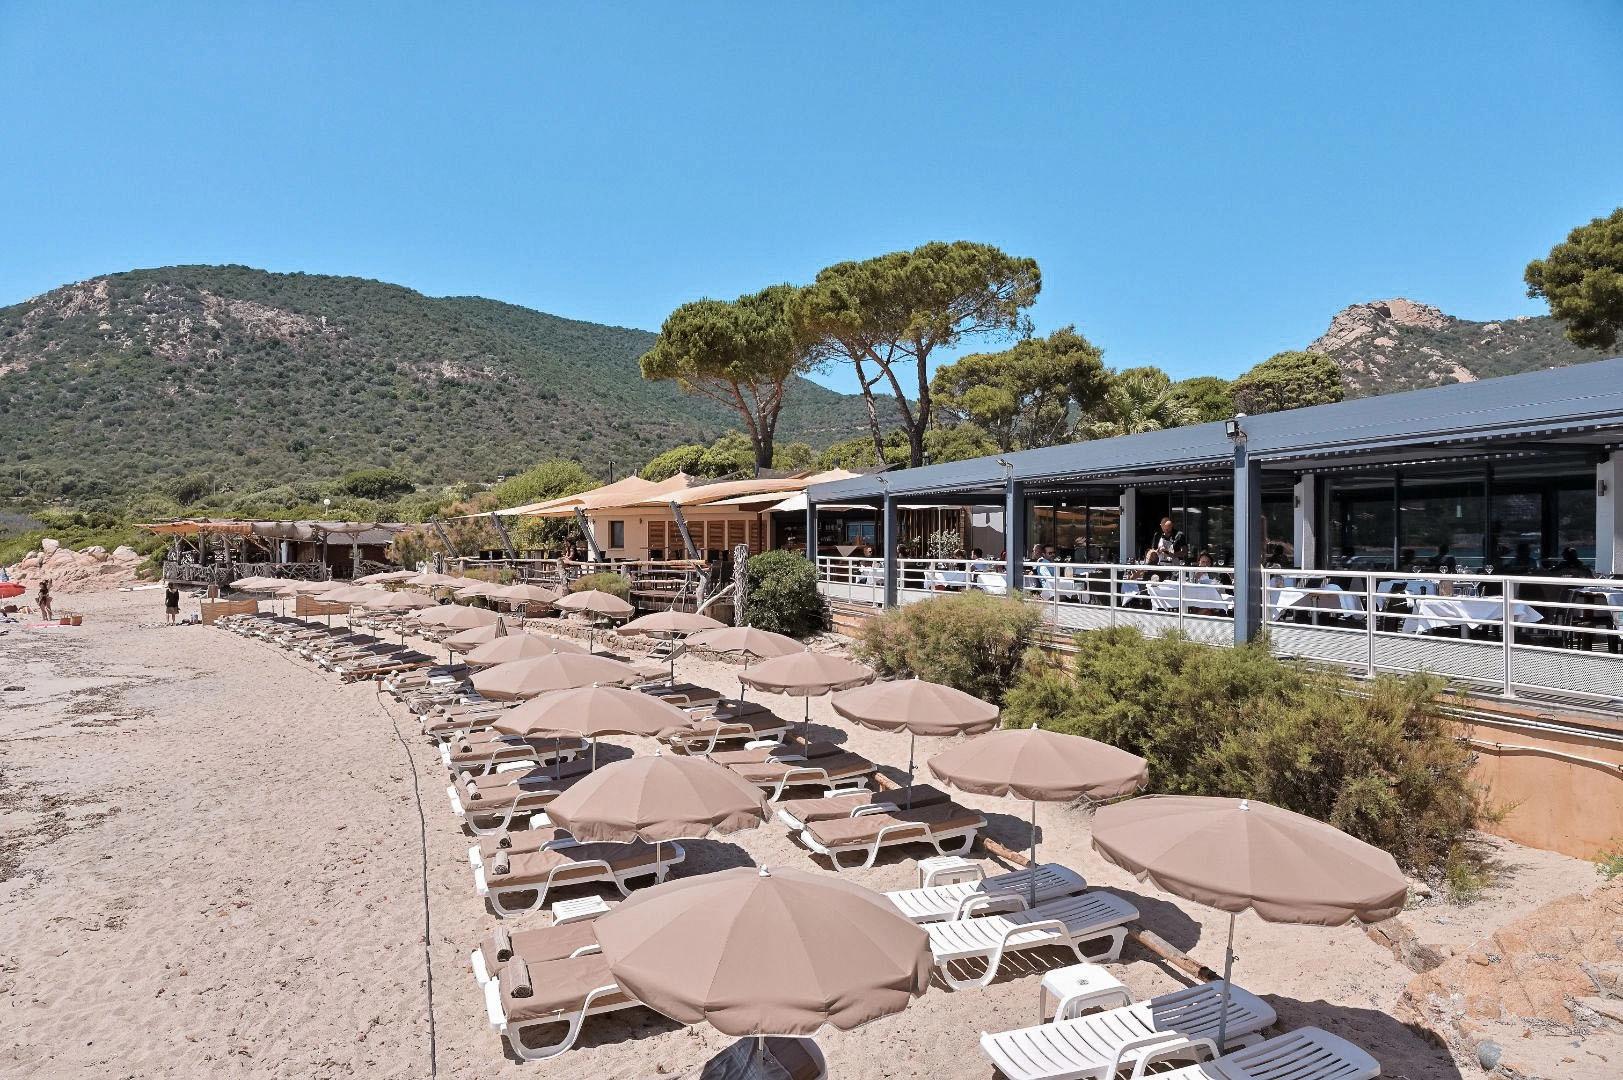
(561,986)
(537,946)
(865,828)
(518,841)
(759,754)
(838,766)
(564,864)
(807,811)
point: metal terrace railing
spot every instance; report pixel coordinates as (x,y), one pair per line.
(1502,633)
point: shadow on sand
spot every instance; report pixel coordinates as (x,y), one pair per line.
(1406,1051)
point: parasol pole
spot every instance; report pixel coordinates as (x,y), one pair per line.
(1228,966)
(912,740)
(1031,868)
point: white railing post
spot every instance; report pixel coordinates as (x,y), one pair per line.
(1114,587)
(1507,616)
(1371,591)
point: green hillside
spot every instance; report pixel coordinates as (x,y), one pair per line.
(126,382)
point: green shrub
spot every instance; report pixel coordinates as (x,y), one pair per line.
(609,582)
(782,596)
(1381,762)
(1610,864)
(970,641)
(375,484)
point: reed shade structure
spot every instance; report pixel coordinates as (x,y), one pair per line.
(1040,766)
(1237,855)
(672,624)
(918,708)
(522,679)
(758,952)
(745,641)
(807,675)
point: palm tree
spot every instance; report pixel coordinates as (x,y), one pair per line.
(1137,400)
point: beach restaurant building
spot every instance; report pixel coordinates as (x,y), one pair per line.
(1472,530)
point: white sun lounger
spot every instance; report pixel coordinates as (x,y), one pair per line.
(483,756)
(508,794)
(864,832)
(559,992)
(1003,891)
(1308,1053)
(1099,1045)
(1068,922)
(541,871)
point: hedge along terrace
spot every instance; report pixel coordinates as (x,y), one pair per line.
(1379,760)
(970,641)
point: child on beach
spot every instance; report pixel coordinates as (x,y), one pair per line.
(171,603)
(44,597)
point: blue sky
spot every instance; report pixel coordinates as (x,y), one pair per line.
(1202,186)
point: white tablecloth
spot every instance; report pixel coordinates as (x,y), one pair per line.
(1164,595)
(1438,612)
(1289,598)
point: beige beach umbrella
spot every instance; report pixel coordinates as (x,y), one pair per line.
(745,641)
(458,617)
(353,594)
(807,675)
(510,647)
(918,708)
(591,711)
(658,798)
(255,584)
(596,604)
(428,579)
(672,624)
(561,671)
(759,952)
(464,640)
(386,577)
(466,587)
(522,593)
(1042,766)
(397,601)
(1237,855)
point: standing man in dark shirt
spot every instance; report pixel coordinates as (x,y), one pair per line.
(1170,543)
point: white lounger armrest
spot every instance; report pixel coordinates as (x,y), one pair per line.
(1158,1047)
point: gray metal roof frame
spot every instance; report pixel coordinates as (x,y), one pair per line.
(1581,402)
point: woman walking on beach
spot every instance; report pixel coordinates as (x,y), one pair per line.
(44,597)
(171,603)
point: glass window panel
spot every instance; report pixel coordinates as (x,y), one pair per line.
(1517,520)
(1575,521)
(1360,528)
(1441,525)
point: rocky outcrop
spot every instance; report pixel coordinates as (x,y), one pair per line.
(1399,344)
(1540,999)
(71,571)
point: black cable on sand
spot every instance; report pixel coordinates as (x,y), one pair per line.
(422,826)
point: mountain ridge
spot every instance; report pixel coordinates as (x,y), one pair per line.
(259,378)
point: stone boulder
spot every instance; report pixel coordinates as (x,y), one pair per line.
(49,546)
(125,553)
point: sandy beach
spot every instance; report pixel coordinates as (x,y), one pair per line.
(212,864)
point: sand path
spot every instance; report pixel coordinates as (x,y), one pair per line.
(210,865)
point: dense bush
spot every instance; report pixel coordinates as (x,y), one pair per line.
(610,582)
(969,640)
(1383,764)
(375,484)
(782,594)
